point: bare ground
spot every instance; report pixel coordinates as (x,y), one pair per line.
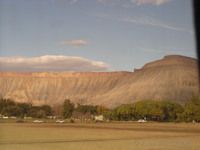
(95,136)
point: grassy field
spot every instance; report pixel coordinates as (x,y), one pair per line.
(96,136)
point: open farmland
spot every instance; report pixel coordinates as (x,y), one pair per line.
(95,136)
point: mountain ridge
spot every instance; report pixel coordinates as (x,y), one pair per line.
(174,77)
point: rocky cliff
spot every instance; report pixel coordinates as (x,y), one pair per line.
(173,78)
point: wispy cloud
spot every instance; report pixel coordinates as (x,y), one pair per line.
(176,48)
(102,1)
(51,63)
(144,20)
(74,42)
(114,3)
(154,22)
(178,51)
(130,3)
(64,2)
(73,1)
(155,2)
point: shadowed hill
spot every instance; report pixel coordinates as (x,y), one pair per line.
(173,78)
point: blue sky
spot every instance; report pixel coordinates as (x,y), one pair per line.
(92,35)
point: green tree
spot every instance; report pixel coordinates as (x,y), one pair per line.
(32,112)
(150,109)
(192,109)
(86,109)
(171,110)
(41,114)
(114,114)
(2,103)
(5,105)
(25,108)
(67,109)
(101,109)
(107,115)
(14,111)
(125,112)
(47,109)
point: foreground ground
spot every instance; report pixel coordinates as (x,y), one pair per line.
(95,136)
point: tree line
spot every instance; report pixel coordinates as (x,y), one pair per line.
(9,107)
(165,110)
(68,108)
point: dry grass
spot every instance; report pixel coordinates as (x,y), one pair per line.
(105,136)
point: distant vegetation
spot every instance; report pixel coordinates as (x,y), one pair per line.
(157,111)
(10,108)
(152,110)
(68,108)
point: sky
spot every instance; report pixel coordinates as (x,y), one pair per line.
(92,35)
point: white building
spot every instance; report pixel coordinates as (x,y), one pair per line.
(99,118)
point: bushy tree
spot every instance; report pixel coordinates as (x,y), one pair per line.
(4,104)
(25,108)
(152,110)
(67,109)
(149,109)
(41,114)
(86,109)
(172,110)
(101,109)
(125,112)
(108,115)
(192,109)
(32,112)
(14,111)
(47,110)
(10,108)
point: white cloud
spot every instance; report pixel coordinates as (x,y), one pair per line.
(155,2)
(50,63)
(74,42)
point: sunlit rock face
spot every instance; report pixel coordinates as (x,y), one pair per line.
(172,78)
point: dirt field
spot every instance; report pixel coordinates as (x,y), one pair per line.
(96,136)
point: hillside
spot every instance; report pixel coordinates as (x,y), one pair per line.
(174,78)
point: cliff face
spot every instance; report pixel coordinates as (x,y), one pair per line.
(174,78)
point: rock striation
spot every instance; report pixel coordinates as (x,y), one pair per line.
(172,78)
